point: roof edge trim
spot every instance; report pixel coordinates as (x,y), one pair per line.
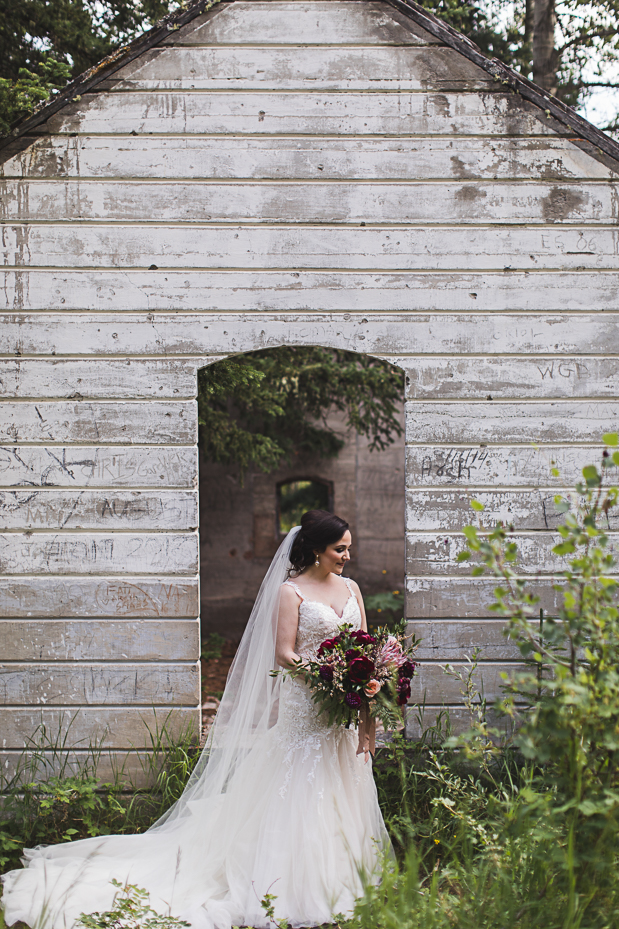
(506,75)
(19,137)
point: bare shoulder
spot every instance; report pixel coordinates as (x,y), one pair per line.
(288,594)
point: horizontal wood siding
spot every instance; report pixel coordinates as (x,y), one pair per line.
(401,247)
(306,158)
(81,639)
(33,508)
(100,466)
(359,187)
(463,202)
(302,291)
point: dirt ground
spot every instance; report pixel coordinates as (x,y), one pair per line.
(214,674)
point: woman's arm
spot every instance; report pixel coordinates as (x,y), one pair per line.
(287,624)
(357,593)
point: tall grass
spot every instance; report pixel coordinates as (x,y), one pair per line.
(55,796)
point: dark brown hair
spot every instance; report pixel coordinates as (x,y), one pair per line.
(318,529)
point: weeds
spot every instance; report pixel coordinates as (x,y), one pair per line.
(522,830)
(212,647)
(50,798)
(130,910)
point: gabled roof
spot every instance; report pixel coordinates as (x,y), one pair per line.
(586,135)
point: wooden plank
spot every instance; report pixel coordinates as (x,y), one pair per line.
(456,641)
(98,509)
(98,466)
(451,202)
(74,684)
(98,553)
(325,291)
(83,597)
(381,333)
(432,685)
(130,769)
(509,466)
(420,718)
(560,421)
(259,246)
(99,378)
(449,510)
(299,67)
(302,113)
(465,597)
(149,422)
(107,727)
(511,378)
(430,158)
(320,22)
(96,640)
(436,554)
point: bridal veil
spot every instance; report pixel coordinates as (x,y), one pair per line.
(181,851)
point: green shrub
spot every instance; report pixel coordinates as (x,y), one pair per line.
(212,647)
(131,909)
(520,830)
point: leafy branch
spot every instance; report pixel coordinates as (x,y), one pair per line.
(264,407)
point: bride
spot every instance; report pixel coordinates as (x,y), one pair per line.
(279,802)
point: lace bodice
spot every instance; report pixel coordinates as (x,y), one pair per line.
(317,621)
(301,728)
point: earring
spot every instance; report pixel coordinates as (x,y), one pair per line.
(317,562)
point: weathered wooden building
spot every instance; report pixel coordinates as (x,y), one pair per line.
(337,172)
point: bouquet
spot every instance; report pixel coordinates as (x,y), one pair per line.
(358,677)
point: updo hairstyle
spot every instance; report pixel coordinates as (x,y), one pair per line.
(318,530)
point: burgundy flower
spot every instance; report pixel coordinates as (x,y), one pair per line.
(327,646)
(352,653)
(361,670)
(326,672)
(404,691)
(353,700)
(363,638)
(407,669)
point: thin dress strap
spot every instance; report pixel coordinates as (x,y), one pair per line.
(295,588)
(347,582)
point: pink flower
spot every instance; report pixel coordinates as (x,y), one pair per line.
(371,688)
(391,653)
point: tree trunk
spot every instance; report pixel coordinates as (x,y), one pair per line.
(529,15)
(544,53)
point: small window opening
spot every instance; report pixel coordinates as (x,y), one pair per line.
(296,497)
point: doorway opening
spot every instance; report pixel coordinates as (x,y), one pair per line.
(326,431)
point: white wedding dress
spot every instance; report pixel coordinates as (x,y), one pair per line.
(298,818)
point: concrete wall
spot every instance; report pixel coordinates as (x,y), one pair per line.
(300,172)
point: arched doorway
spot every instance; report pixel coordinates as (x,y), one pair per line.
(244,512)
